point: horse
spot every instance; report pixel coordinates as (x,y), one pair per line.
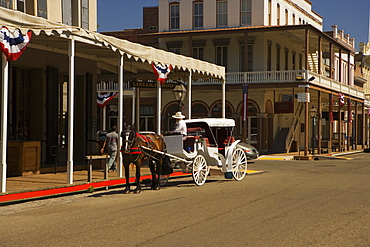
(137,149)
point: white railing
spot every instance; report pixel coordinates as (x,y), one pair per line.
(111,86)
(265,76)
(297,76)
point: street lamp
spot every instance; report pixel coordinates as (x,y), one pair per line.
(313,114)
(179,92)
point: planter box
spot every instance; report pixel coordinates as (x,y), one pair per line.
(23,158)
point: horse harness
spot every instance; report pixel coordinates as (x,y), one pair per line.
(137,151)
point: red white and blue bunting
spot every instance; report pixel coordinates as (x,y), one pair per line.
(161,71)
(104,98)
(12,44)
(341,100)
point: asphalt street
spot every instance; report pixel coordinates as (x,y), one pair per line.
(292,203)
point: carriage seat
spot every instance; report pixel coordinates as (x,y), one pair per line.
(194,131)
(227,142)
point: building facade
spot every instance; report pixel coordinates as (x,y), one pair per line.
(49,114)
(291,66)
(80,13)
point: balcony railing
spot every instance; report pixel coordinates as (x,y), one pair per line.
(286,76)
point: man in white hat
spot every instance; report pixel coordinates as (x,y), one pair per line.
(180,126)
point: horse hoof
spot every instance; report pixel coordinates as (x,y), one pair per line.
(126,191)
(137,191)
(156,188)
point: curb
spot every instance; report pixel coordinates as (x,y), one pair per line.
(81,188)
(60,191)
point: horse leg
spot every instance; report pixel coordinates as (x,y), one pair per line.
(153,171)
(138,184)
(126,165)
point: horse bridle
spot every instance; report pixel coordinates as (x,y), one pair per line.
(128,139)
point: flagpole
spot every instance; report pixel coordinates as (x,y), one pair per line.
(159,107)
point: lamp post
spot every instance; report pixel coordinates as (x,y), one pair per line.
(179,92)
(313,114)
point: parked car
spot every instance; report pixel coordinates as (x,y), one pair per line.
(250,151)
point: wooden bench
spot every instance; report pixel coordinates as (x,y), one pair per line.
(89,162)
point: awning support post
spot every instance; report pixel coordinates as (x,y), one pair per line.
(120,111)
(71,96)
(4,120)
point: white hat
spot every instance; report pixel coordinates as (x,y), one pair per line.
(178,115)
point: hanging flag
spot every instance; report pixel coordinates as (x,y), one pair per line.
(161,71)
(12,44)
(341,99)
(104,98)
(245,102)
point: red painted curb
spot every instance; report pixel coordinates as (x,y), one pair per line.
(73,188)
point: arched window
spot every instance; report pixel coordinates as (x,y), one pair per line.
(169,110)
(278,14)
(199,109)
(216,109)
(286,17)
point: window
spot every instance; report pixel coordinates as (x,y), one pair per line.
(6,4)
(246,12)
(286,17)
(222,13)
(278,52)
(85,14)
(21,5)
(67,12)
(174,16)
(42,8)
(293,19)
(269,12)
(198,15)
(269,46)
(221,55)
(250,57)
(278,14)
(174,50)
(198,53)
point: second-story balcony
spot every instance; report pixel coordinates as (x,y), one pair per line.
(300,77)
(288,76)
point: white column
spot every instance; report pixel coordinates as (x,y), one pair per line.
(120,111)
(159,107)
(4,120)
(104,110)
(223,98)
(189,94)
(71,95)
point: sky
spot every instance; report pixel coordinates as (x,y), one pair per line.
(352,16)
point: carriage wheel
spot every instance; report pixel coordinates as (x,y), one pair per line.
(239,165)
(200,170)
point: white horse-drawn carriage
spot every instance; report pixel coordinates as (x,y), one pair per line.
(209,143)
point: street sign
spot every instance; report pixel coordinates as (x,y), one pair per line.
(303,97)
